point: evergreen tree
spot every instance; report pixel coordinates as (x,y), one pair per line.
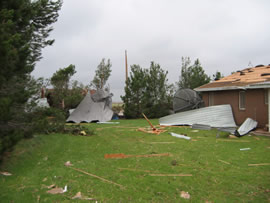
(158,94)
(134,92)
(147,91)
(25,26)
(192,76)
(103,73)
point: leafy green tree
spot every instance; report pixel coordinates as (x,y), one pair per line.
(134,92)
(25,26)
(66,94)
(102,75)
(192,76)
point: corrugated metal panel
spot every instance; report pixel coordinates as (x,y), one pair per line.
(246,127)
(215,116)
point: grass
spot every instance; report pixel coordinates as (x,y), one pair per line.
(220,171)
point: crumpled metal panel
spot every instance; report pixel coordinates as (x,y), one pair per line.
(246,127)
(215,116)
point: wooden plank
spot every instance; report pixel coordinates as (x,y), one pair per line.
(225,162)
(95,176)
(182,175)
(263,164)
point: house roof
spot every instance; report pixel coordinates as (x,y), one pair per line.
(249,78)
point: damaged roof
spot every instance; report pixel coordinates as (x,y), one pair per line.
(249,78)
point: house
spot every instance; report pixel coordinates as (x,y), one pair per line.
(247,91)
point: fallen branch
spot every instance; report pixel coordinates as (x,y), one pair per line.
(225,162)
(95,176)
(170,174)
(263,164)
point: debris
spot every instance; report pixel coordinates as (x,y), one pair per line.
(195,131)
(68,163)
(263,164)
(122,156)
(83,133)
(246,127)
(232,140)
(232,136)
(194,140)
(174,162)
(153,128)
(180,136)
(45,158)
(225,162)
(182,175)
(6,173)
(108,122)
(56,191)
(65,189)
(244,149)
(51,186)
(95,176)
(131,169)
(77,196)
(185,195)
(219,116)
(45,179)
(147,130)
(257,138)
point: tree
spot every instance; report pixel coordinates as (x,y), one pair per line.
(147,91)
(158,94)
(134,92)
(103,73)
(66,94)
(217,76)
(25,26)
(192,76)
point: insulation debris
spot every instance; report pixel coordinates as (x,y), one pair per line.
(180,136)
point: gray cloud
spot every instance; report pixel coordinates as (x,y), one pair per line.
(224,35)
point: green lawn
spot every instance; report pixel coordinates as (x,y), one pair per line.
(220,171)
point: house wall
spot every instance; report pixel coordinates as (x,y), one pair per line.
(255,104)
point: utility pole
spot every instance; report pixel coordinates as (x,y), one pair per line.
(126,64)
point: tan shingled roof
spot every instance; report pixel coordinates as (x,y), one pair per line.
(241,78)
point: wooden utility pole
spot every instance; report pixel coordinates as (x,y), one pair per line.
(126,64)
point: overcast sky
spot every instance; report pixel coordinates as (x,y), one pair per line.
(226,35)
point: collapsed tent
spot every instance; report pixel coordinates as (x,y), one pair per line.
(219,116)
(93,108)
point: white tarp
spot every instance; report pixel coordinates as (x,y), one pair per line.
(219,116)
(93,108)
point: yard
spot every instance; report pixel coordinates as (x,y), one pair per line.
(208,168)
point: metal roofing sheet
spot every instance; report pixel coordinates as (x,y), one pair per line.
(215,116)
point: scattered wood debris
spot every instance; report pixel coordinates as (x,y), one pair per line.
(149,130)
(263,164)
(5,173)
(68,163)
(185,195)
(79,196)
(123,156)
(57,190)
(225,162)
(131,169)
(182,175)
(232,140)
(95,176)
(51,186)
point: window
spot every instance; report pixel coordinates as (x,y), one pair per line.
(211,99)
(266,96)
(242,100)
